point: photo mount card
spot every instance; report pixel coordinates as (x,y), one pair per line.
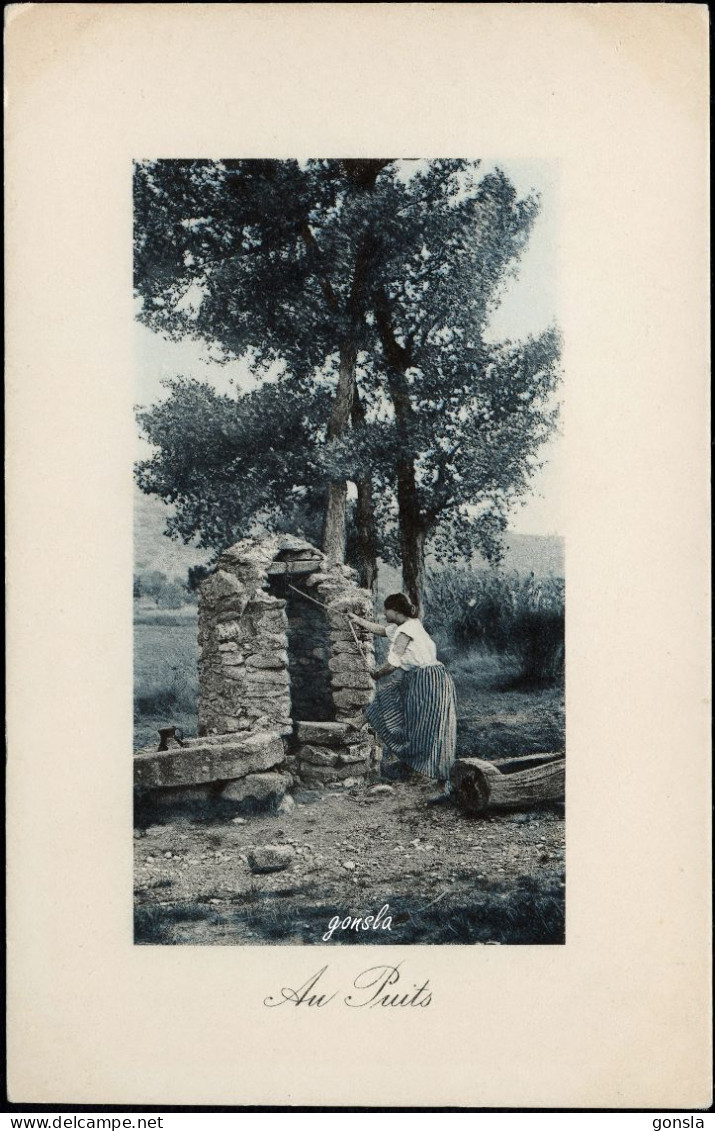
(615,102)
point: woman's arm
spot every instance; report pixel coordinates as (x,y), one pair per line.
(371,626)
(399,647)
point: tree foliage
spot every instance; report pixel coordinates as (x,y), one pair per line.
(267,259)
(232,464)
(372,289)
(456,421)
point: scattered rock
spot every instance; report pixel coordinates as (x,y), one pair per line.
(239,821)
(380,791)
(286,806)
(349,864)
(350,783)
(271,858)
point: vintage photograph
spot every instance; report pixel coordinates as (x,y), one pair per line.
(349,594)
(346,348)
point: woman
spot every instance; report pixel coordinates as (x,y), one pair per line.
(414,711)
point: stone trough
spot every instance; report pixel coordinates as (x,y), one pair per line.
(280,674)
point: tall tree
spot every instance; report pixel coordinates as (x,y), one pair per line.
(469,416)
(267,259)
(385,283)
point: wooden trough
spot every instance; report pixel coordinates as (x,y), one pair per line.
(512,782)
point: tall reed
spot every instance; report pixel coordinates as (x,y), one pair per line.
(520,618)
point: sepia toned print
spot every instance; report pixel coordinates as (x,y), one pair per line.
(602,110)
(349,675)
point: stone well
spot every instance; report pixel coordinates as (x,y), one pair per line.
(280,672)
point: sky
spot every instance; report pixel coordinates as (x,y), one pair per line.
(529,305)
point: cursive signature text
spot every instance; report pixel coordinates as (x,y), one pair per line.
(383,920)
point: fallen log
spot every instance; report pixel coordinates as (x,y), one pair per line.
(512,782)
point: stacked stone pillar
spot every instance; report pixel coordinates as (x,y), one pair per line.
(243,662)
(332,752)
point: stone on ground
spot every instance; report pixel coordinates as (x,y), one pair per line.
(271,858)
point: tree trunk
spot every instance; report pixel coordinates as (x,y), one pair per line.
(412,525)
(412,533)
(365,516)
(334,529)
(362,174)
(366,537)
(334,526)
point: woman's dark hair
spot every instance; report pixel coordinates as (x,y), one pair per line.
(400,604)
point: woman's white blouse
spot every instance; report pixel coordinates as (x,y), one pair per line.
(420,652)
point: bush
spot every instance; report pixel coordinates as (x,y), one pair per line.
(166,592)
(195,576)
(154,924)
(171,596)
(520,618)
(152,583)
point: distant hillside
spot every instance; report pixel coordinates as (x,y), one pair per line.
(153,550)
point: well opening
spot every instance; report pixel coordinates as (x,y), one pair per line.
(308,647)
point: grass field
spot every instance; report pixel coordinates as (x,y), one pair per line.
(498,715)
(166,686)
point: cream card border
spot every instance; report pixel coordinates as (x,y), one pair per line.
(617,94)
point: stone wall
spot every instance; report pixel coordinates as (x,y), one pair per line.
(270,659)
(281,678)
(328,752)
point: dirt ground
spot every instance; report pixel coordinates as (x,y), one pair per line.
(446,877)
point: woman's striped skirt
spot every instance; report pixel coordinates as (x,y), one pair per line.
(414,715)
